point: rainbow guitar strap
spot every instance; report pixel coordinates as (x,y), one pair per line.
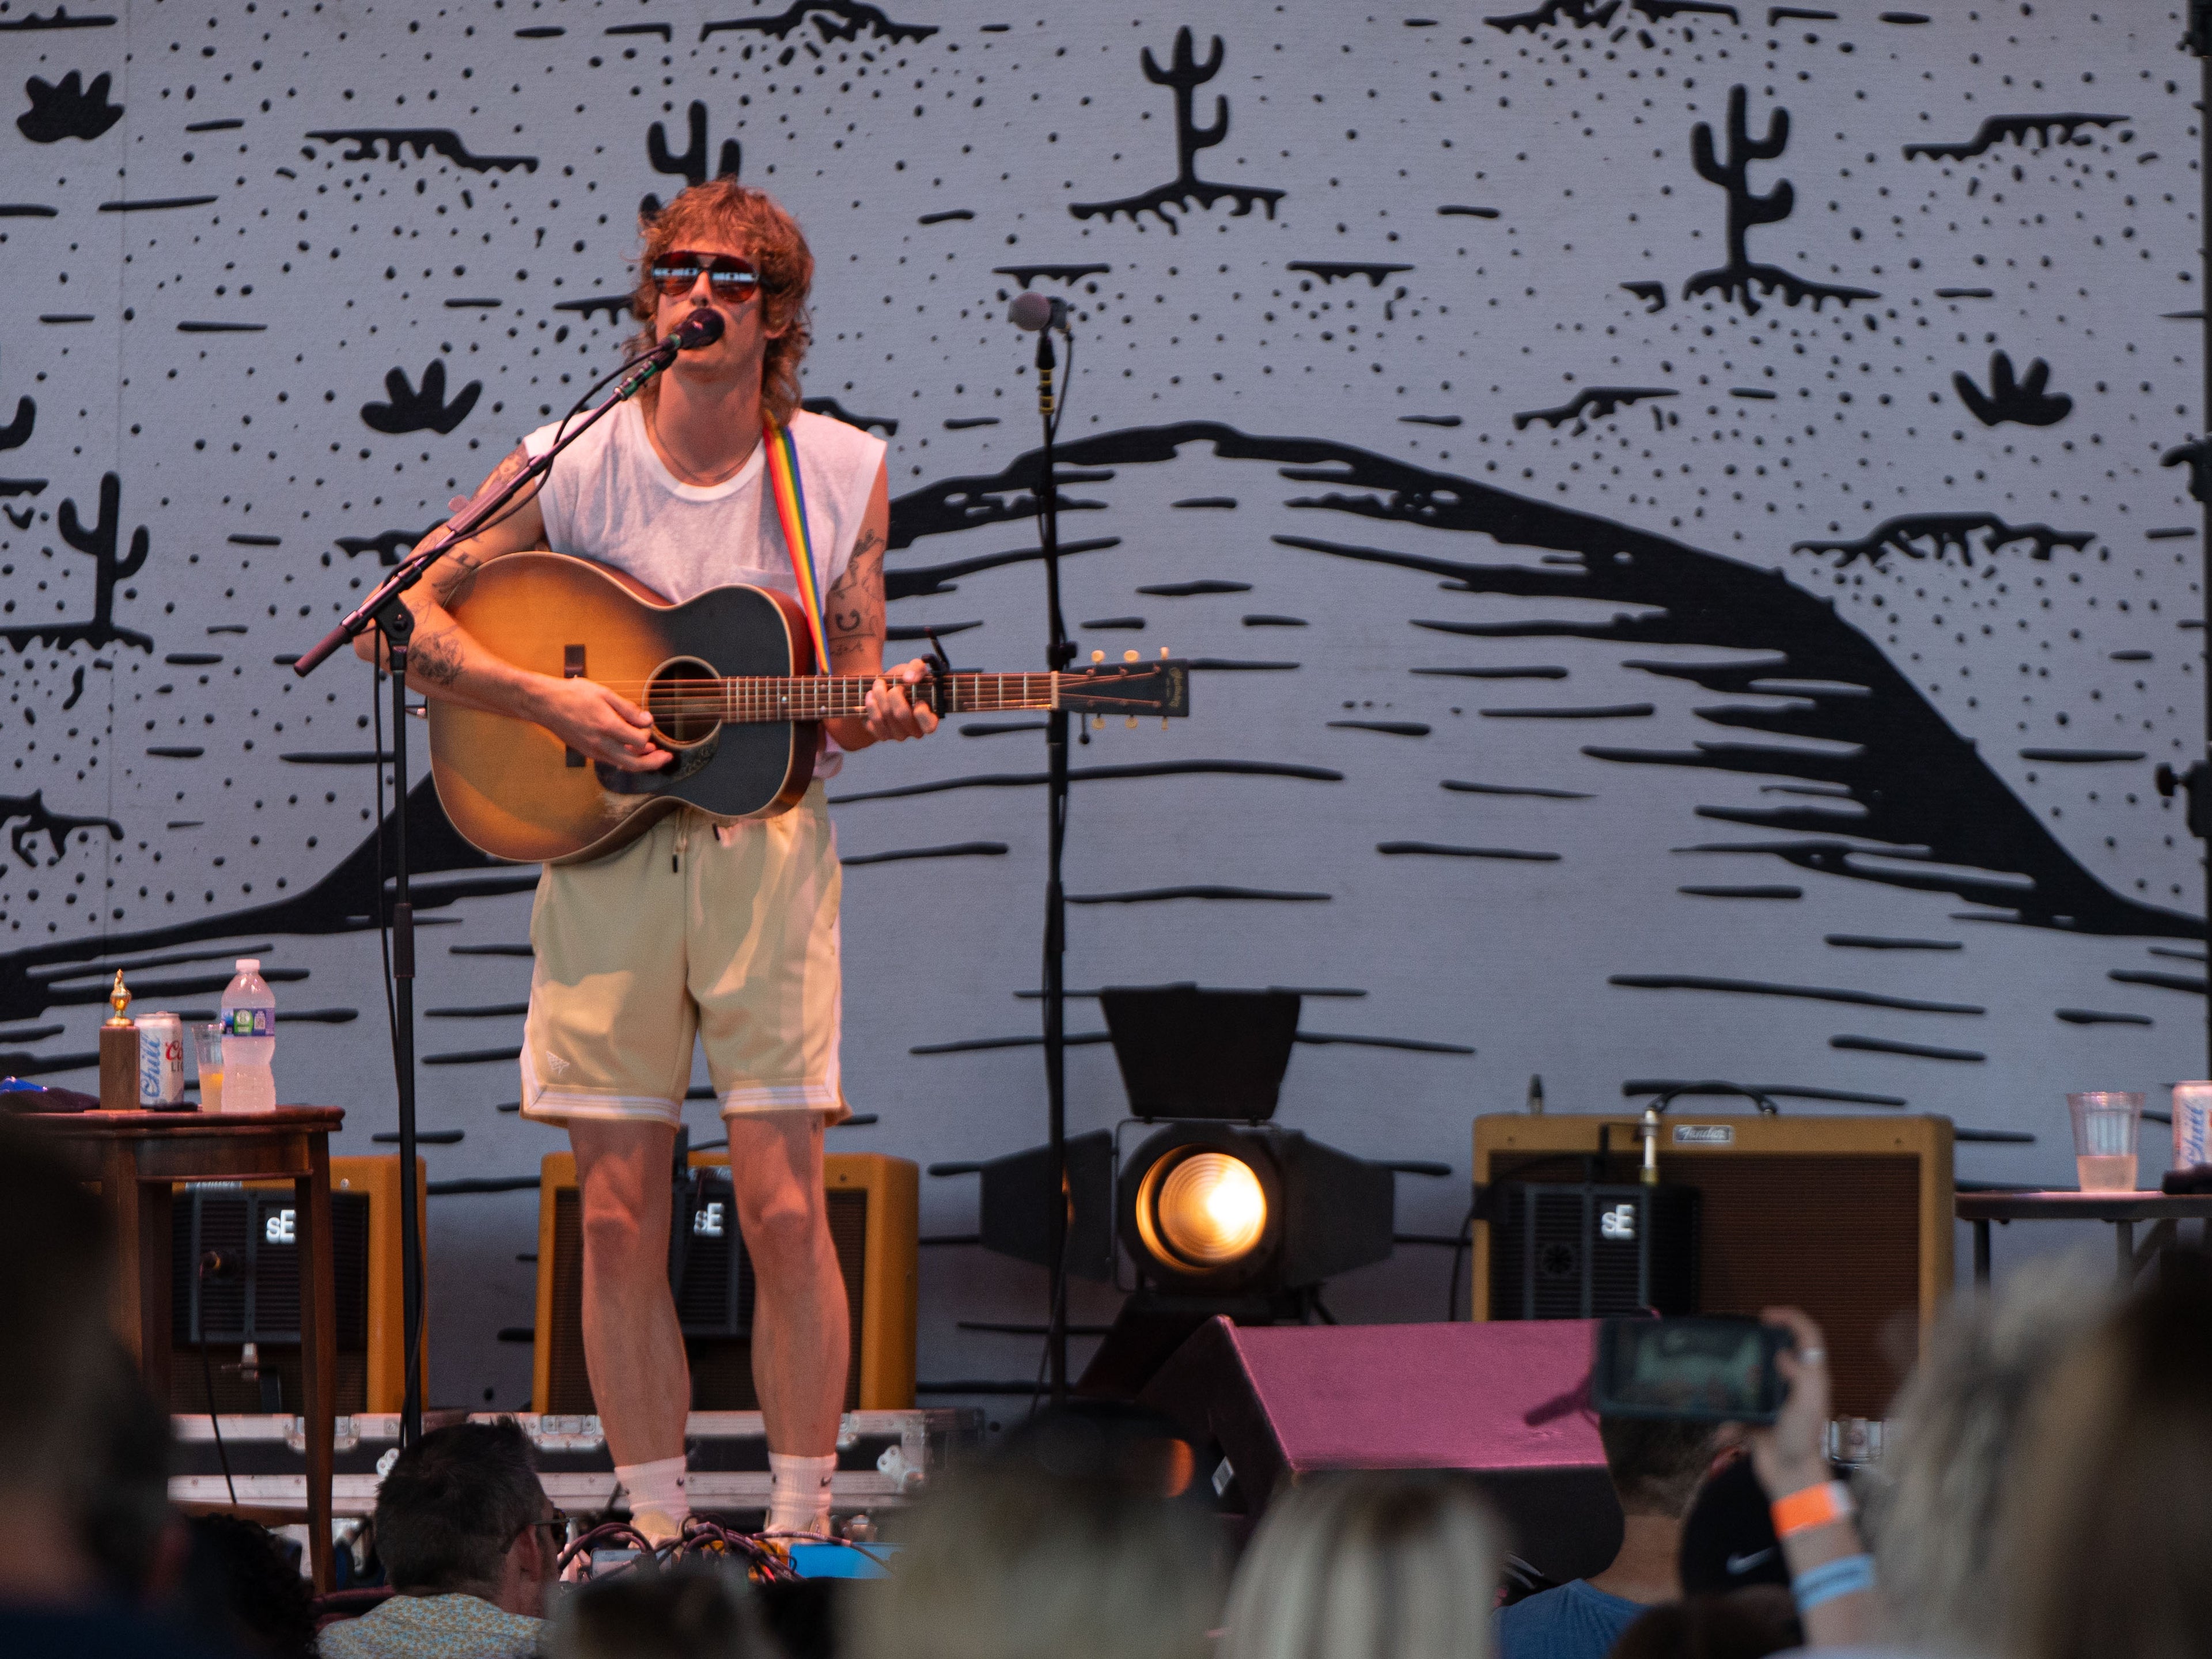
(790,511)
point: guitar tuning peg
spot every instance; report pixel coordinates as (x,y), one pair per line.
(1098,722)
(1133,722)
(1098,656)
(1163,651)
(1128,656)
(1163,722)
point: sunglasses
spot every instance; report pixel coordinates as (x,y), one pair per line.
(555,1527)
(677,272)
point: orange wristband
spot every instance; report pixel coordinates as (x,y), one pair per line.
(1814,1506)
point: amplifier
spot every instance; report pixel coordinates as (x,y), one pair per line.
(1589,1252)
(874,1204)
(255,1227)
(1847,1218)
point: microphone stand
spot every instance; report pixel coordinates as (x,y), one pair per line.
(385,609)
(1060,653)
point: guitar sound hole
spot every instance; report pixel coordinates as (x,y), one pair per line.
(684,699)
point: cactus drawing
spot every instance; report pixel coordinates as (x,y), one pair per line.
(1187,190)
(1742,279)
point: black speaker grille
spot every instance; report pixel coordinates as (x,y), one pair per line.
(1556,1229)
(1550,1256)
(262,1304)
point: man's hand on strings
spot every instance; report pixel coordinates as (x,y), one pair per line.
(600,725)
(891,717)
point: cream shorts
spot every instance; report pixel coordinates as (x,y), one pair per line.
(729,937)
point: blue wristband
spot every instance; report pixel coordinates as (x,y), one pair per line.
(1831,1579)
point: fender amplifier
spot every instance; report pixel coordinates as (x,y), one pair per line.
(874,1204)
(1847,1218)
(258,1299)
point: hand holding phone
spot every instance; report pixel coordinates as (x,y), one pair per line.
(1792,1454)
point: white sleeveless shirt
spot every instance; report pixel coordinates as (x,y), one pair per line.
(609,499)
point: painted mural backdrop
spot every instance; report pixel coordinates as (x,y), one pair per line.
(1681,512)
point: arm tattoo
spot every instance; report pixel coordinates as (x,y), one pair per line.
(856,607)
(435,656)
(452,577)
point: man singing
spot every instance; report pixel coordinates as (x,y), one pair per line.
(727,933)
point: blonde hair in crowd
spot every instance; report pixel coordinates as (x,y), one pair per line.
(1933,1501)
(1005,1560)
(1369,1566)
(752,220)
(2105,1551)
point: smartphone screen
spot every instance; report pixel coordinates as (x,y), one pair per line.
(1700,1368)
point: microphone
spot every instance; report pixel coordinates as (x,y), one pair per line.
(1030,311)
(701,328)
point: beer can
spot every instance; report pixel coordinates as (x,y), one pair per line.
(2192,1124)
(161,1062)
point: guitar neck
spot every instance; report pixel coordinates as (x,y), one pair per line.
(752,701)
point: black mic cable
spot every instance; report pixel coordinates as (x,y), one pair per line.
(214,1264)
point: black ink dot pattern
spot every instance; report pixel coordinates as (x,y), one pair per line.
(1732,473)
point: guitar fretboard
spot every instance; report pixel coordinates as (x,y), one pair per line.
(835,697)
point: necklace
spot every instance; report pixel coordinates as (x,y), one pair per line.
(684,474)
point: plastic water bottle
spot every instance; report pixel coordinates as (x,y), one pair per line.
(249,1040)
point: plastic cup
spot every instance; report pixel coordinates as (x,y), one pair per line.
(2105,1125)
(207,1064)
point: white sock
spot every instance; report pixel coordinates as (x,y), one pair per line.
(799,1492)
(658,1507)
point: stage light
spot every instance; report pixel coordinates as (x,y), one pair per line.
(1201,1211)
(1217,1212)
(1208,1210)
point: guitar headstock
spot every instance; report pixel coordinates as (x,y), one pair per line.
(1134,686)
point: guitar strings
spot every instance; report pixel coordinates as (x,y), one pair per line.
(791,697)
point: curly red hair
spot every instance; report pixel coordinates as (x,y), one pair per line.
(756,222)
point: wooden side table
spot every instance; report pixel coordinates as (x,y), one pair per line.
(134,1158)
(2123,1210)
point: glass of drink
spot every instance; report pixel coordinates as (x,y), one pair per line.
(207,1063)
(2105,1124)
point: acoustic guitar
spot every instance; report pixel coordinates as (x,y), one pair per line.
(729,680)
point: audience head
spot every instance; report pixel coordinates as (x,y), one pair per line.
(1369,1566)
(462,1510)
(693,1612)
(243,1592)
(1932,1504)
(1728,1539)
(1657,1463)
(2106,1527)
(55,1349)
(1079,1539)
(84,1508)
(1744,1624)
(135,1539)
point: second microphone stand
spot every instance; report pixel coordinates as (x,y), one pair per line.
(1060,653)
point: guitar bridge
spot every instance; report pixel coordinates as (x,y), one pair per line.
(572,668)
